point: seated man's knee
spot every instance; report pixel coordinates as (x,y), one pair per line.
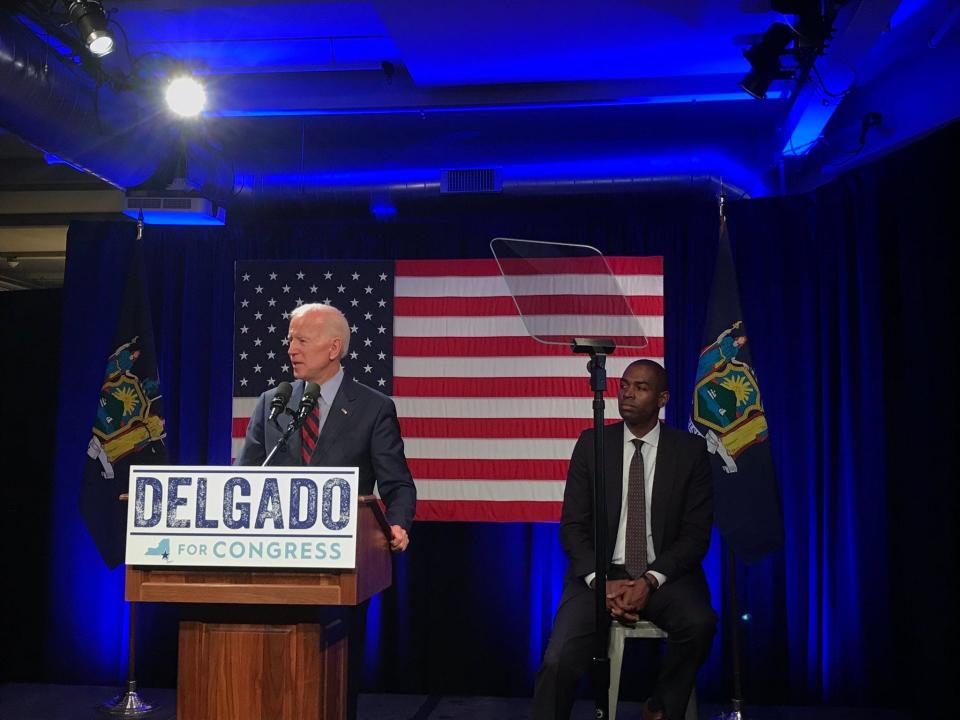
(698,624)
(703,625)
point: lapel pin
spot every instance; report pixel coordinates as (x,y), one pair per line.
(343,410)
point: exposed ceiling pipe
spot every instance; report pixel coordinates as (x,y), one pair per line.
(256,189)
(113,135)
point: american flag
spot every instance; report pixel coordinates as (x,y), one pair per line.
(489,416)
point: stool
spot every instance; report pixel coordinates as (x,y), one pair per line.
(618,634)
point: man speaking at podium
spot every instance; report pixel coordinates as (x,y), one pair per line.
(351,424)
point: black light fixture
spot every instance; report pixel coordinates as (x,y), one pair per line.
(810,19)
(91,22)
(764,59)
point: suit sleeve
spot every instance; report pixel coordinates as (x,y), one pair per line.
(576,519)
(688,549)
(254,451)
(394,481)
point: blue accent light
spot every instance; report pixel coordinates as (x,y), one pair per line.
(371,640)
(51,159)
(809,128)
(692,162)
(622,102)
(53,42)
(153,217)
(905,10)
(383,211)
(746,617)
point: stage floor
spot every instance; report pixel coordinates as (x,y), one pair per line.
(19,701)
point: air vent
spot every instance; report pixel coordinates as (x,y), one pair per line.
(144,203)
(177,203)
(165,209)
(471,181)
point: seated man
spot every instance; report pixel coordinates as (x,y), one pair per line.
(660,498)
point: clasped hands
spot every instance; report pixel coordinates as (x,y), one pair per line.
(627,598)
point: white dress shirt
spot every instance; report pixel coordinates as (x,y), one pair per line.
(650,441)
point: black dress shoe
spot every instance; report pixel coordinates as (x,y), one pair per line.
(647,714)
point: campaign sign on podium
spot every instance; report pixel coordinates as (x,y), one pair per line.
(251,517)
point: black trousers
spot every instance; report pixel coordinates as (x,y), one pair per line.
(681,608)
(357,620)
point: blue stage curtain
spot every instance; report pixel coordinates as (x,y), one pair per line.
(849,357)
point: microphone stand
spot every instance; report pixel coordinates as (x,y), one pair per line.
(295,422)
(598,351)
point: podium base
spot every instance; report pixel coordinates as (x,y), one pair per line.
(127,705)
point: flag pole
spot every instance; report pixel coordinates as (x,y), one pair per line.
(129,704)
(736,699)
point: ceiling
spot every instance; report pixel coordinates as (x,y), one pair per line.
(314,99)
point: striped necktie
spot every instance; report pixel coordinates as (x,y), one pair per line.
(309,434)
(635,543)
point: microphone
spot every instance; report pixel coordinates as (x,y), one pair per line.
(279,402)
(311,394)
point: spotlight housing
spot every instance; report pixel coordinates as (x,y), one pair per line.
(764,59)
(91,23)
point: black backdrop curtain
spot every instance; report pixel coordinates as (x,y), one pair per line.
(848,301)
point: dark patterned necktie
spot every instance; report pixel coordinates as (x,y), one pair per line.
(309,433)
(635,543)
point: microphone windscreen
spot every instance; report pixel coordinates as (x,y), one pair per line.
(284,391)
(312,391)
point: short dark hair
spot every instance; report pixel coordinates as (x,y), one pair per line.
(663,382)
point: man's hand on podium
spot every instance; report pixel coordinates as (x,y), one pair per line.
(400,539)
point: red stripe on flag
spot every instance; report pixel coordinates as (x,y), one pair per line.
(239,428)
(444,268)
(492,470)
(488,511)
(441,347)
(529,305)
(495,427)
(512,387)
(545,266)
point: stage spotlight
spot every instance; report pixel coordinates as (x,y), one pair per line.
(185,96)
(764,59)
(91,23)
(811,25)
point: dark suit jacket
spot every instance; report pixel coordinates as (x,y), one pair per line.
(681,511)
(361,430)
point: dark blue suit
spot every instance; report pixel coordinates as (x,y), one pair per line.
(360,430)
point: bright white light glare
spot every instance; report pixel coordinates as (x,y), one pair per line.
(101,45)
(185,96)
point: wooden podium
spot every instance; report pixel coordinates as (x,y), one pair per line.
(267,645)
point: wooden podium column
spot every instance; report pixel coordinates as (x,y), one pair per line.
(251,671)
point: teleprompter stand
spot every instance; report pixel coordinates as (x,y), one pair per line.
(597,367)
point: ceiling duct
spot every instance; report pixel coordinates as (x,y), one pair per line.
(115,136)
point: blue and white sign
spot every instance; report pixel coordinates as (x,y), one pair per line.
(273,517)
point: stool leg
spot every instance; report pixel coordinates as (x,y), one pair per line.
(692,713)
(616,661)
